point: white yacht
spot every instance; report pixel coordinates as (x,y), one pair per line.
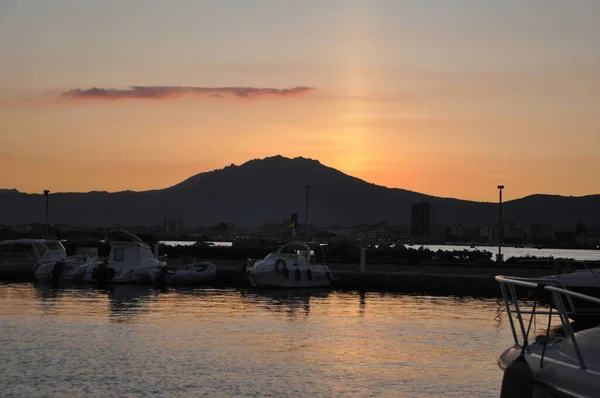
(129,262)
(291,266)
(548,365)
(44,259)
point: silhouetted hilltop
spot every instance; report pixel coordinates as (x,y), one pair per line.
(266,190)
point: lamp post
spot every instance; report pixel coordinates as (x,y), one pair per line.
(499,258)
(46,192)
(307,189)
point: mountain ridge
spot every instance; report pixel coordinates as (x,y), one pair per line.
(232,165)
(269,189)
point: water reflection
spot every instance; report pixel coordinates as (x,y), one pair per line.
(225,342)
(48,298)
(362,305)
(47,293)
(190,292)
(128,301)
(290,301)
(122,302)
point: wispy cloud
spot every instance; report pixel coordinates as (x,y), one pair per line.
(5,156)
(167,92)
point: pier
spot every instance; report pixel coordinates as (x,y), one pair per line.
(466,279)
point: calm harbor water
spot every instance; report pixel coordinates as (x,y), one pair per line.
(132,341)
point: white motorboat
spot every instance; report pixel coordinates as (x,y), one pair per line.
(291,266)
(193,273)
(65,268)
(44,259)
(19,258)
(548,365)
(129,262)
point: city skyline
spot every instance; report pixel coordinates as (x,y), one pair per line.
(444,99)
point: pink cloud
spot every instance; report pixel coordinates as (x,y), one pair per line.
(166,92)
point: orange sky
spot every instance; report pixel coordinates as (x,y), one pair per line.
(410,96)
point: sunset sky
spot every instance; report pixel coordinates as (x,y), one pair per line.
(449,98)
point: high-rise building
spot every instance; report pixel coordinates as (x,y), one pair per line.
(421,221)
(172,228)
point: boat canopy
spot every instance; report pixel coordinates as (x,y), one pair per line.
(129,252)
(276,255)
(123,236)
(30,249)
(54,245)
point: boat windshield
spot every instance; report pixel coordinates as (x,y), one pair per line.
(41,248)
(275,255)
(54,245)
(146,252)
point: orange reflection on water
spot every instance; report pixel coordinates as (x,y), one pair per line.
(228,342)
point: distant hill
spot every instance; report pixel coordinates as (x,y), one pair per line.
(267,190)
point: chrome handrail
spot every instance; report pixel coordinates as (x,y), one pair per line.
(537,281)
(516,281)
(573,294)
(513,297)
(557,296)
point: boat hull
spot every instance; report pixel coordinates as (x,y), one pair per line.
(62,271)
(555,378)
(586,314)
(17,270)
(587,282)
(133,275)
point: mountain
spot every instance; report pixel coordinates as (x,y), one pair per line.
(267,190)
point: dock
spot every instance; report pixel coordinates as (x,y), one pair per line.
(461,279)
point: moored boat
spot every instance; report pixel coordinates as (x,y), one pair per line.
(66,268)
(291,266)
(43,259)
(548,365)
(193,273)
(130,261)
(579,280)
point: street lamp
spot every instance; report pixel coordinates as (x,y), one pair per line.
(499,258)
(46,192)
(307,189)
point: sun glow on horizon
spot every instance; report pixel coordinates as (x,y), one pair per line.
(435,98)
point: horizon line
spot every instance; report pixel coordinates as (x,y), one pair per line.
(4,190)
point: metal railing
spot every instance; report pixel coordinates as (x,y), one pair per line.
(558,294)
(542,281)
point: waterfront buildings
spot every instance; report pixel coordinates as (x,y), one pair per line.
(422,222)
